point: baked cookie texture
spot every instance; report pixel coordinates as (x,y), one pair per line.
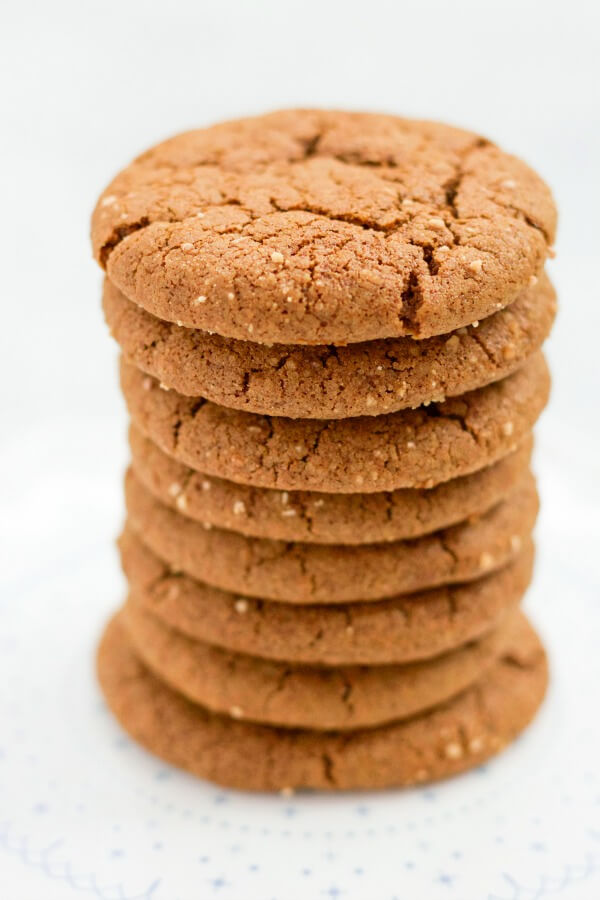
(328,382)
(319,518)
(408,449)
(456,735)
(317,573)
(396,630)
(311,227)
(300,696)
(331,327)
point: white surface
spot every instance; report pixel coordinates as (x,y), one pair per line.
(82,811)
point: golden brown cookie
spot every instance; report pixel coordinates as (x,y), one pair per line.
(323,518)
(410,448)
(397,630)
(314,226)
(334,573)
(299,696)
(457,735)
(329,382)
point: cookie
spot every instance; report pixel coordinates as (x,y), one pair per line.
(295,696)
(329,382)
(398,630)
(319,573)
(457,735)
(323,518)
(407,449)
(313,227)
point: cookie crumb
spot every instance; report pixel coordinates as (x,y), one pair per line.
(277,257)
(288,512)
(200,299)
(239,508)
(475,265)
(453,342)
(475,324)
(486,560)
(163,386)
(476,745)
(436,222)
(174,489)
(319,503)
(285,498)
(250,328)
(410,445)
(241,606)
(187,246)
(371,401)
(230,296)
(181,502)
(453,750)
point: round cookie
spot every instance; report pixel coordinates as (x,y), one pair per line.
(406,449)
(398,630)
(295,696)
(328,382)
(323,518)
(318,573)
(453,737)
(314,226)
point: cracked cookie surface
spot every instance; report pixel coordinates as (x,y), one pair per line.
(334,573)
(407,449)
(456,735)
(296,696)
(328,382)
(322,518)
(314,226)
(397,630)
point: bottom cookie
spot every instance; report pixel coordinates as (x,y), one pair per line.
(453,737)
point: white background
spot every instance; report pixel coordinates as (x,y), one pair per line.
(85,86)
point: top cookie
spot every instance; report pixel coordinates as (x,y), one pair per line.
(307,226)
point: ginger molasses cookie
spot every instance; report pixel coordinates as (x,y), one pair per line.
(333,573)
(457,735)
(397,630)
(314,226)
(328,382)
(406,449)
(323,518)
(298,696)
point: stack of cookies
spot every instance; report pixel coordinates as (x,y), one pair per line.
(331,327)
